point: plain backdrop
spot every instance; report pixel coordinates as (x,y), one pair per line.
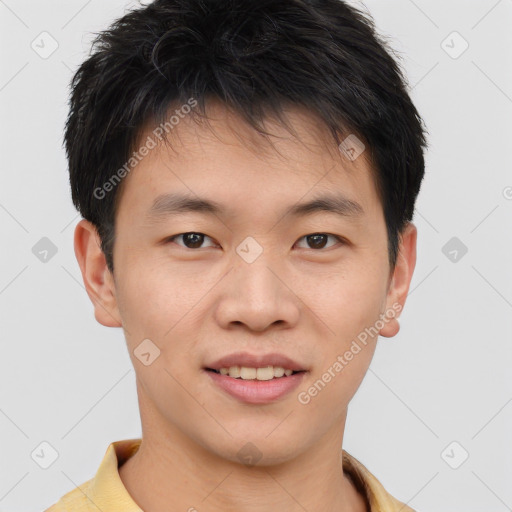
(433,417)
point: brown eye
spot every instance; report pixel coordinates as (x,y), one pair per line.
(191,240)
(319,240)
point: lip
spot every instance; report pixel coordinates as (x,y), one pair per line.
(256,361)
(256,391)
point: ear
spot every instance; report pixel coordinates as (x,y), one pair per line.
(400,280)
(98,280)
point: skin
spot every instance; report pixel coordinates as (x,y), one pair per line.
(198,304)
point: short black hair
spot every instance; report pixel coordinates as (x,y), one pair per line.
(255,56)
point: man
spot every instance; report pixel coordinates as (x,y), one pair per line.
(247,173)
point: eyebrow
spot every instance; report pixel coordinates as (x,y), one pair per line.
(167,205)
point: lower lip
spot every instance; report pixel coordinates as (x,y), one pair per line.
(256,391)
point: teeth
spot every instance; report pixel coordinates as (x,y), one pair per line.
(234,371)
(278,371)
(246,373)
(265,373)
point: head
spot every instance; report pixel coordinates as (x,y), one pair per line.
(239,113)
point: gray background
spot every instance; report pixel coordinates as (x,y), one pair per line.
(68,381)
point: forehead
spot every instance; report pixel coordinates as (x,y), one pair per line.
(224,154)
(296,134)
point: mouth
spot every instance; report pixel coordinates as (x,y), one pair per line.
(257,386)
(256,378)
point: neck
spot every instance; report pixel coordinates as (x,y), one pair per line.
(171,472)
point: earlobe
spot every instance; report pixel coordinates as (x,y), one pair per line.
(401,280)
(98,280)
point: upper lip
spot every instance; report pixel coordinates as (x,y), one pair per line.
(255,361)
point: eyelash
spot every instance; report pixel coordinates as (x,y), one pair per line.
(172,238)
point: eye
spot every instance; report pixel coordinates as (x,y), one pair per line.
(319,240)
(191,239)
(194,240)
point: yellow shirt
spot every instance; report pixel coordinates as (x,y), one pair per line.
(107,493)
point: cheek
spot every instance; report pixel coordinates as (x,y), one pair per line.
(350,308)
(152,295)
(164,306)
(347,301)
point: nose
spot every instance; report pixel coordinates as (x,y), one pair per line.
(258,295)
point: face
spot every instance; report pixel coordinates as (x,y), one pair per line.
(256,274)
